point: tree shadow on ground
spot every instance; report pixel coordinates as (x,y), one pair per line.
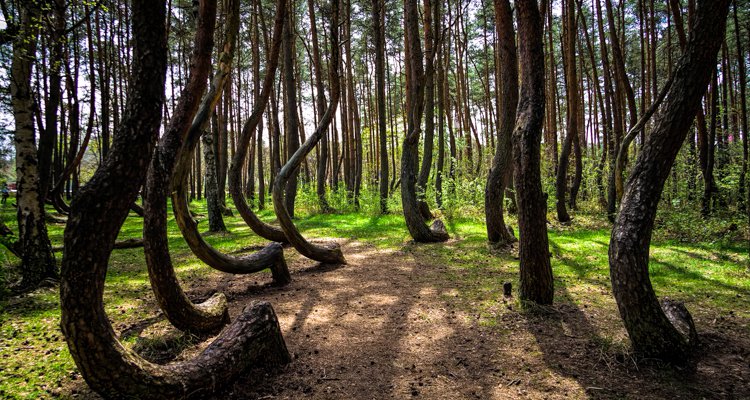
(575,349)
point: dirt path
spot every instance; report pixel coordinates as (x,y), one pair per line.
(393,324)
(382,326)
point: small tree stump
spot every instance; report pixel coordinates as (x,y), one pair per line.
(508,289)
(681,319)
(439,227)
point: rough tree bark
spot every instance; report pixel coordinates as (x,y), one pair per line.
(213,194)
(331,252)
(292,119)
(378,22)
(243,141)
(97,213)
(651,332)
(533,248)
(37,259)
(431,37)
(320,104)
(507,101)
(415,221)
(179,309)
(570,36)
(212,314)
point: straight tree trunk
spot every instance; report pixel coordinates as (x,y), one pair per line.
(571,87)
(37,259)
(378,20)
(439,168)
(710,185)
(533,249)
(292,119)
(320,104)
(507,102)
(743,107)
(256,84)
(213,197)
(430,38)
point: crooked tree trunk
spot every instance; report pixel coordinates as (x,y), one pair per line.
(37,259)
(179,168)
(97,214)
(243,142)
(507,101)
(650,331)
(213,314)
(331,252)
(415,221)
(533,248)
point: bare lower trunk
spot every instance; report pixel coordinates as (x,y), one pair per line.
(533,249)
(213,197)
(37,260)
(494,196)
(415,221)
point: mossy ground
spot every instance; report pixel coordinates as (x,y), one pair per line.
(709,271)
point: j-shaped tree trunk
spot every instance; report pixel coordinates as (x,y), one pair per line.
(37,260)
(533,246)
(97,213)
(651,332)
(415,221)
(181,312)
(272,255)
(330,253)
(243,142)
(507,101)
(212,314)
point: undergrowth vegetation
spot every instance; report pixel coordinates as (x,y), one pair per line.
(703,262)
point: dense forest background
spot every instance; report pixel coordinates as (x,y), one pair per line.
(623,53)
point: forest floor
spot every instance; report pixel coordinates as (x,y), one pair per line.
(404,320)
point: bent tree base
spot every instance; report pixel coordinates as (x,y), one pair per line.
(651,332)
(96,217)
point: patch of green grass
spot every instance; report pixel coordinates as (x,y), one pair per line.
(708,275)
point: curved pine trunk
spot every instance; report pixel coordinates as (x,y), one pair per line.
(330,253)
(97,214)
(651,333)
